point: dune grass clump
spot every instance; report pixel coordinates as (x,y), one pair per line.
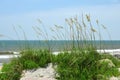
(74,65)
(77,66)
(85,66)
(29,59)
(40,58)
(12,70)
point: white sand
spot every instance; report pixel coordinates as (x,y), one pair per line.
(110,51)
(0,68)
(8,56)
(39,74)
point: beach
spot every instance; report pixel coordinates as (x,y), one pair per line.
(5,58)
(47,73)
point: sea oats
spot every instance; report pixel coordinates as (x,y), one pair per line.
(93,30)
(97,21)
(39,20)
(88,17)
(1,35)
(103,26)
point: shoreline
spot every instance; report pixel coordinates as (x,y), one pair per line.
(102,50)
(6,56)
(110,51)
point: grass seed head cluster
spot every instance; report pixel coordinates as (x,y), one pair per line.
(81,62)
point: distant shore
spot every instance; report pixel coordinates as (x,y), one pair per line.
(8,52)
(54,52)
(11,54)
(7,55)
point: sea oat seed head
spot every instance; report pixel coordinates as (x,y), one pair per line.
(1,35)
(93,30)
(97,21)
(103,26)
(39,21)
(88,17)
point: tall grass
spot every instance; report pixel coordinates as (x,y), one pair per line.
(79,61)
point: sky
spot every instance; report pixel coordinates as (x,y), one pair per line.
(25,13)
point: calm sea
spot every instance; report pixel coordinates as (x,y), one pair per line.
(55,45)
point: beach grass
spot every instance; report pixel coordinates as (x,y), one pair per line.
(76,62)
(75,65)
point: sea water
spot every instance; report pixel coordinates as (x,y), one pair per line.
(54,45)
(15,46)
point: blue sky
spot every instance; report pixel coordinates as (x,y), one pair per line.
(25,13)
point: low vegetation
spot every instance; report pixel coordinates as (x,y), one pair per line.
(75,65)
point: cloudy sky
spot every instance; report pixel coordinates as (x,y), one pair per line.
(25,13)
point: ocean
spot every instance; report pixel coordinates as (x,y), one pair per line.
(54,45)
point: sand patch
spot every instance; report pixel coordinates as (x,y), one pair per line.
(47,73)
